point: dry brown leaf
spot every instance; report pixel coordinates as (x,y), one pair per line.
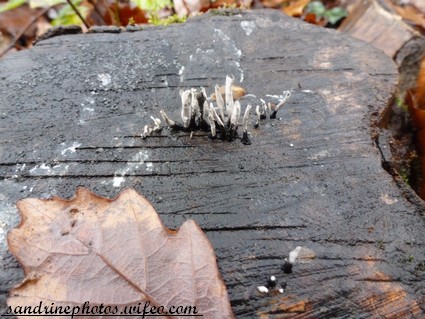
(420,4)
(409,12)
(237,92)
(225,3)
(112,252)
(186,7)
(273,3)
(418,119)
(412,14)
(415,100)
(16,23)
(311,18)
(109,12)
(296,8)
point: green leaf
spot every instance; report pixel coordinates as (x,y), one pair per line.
(152,5)
(44,3)
(67,16)
(11,4)
(400,103)
(335,14)
(155,20)
(316,7)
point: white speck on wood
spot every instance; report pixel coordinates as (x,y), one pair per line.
(248,26)
(262,289)
(89,99)
(20,167)
(135,162)
(181,73)
(386,199)
(70,149)
(104,78)
(149,167)
(118,180)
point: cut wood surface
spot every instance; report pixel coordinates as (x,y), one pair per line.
(374,22)
(73,107)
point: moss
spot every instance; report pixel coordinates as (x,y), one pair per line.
(155,20)
(399,101)
(407,259)
(380,244)
(404,173)
(420,266)
(227,12)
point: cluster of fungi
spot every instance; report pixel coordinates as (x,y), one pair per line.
(221,121)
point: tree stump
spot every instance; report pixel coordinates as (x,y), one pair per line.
(73,108)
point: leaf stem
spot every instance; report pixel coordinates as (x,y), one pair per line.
(78,13)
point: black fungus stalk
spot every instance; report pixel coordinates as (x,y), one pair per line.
(258,113)
(285,97)
(245,138)
(271,282)
(272,285)
(289,262)
(245,122)
(287,267)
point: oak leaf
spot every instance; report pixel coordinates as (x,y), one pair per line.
(112,252)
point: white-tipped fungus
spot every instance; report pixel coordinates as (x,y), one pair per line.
(147,130)
(245,119)
(262,289)
(236,114)
(223,120)
(194,105)
(287,265)
(258,113)
(294,254)
(271,282)
(263,109)
(229,95)
(211,120)
(216,117)
(166,118)
(220,102)
(156,123)
(206,111)
(186,113)
(204,93)
(285,97)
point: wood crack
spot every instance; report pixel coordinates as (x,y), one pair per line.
(250,228)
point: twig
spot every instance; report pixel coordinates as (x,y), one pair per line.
(23,30)
(78,13)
